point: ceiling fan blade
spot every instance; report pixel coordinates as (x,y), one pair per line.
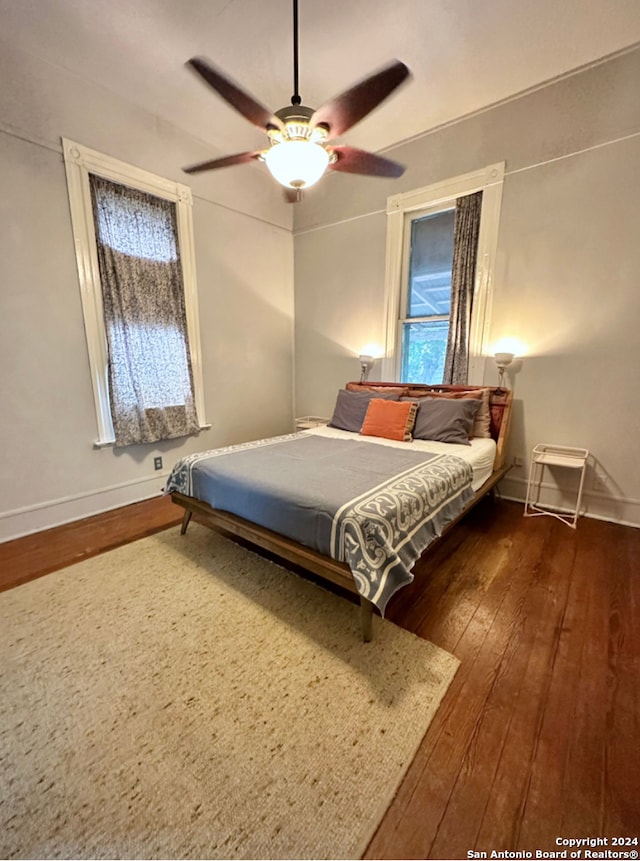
(225,161)
(352,160)
(345,110)
(244,103)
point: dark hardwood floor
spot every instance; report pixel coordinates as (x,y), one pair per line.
(538,737)
(34,555)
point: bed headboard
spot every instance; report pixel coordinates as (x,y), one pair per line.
(500,401)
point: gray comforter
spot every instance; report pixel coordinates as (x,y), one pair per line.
(372,506)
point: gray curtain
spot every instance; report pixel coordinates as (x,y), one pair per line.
(465,252)
(149,370)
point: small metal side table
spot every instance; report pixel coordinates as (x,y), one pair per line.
(554,455)
(308,422)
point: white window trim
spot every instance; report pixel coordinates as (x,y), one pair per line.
(80,161)
(489,180)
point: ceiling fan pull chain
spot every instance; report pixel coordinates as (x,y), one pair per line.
(295,98)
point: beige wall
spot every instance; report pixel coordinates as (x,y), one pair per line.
(244,260)
(566,280)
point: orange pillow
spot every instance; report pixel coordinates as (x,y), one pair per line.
(390,419)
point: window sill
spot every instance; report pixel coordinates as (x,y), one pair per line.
(109,443)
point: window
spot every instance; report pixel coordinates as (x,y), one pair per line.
(426,300)
(420,231)
(126,220)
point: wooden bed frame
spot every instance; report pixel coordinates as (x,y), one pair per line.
(500,402)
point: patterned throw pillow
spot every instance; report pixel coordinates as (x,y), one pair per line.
(398,389)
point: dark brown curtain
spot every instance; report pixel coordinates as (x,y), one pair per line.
(465,252)
(150,378)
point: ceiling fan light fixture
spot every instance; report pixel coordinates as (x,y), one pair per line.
(297,163)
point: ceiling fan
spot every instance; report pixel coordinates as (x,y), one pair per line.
(300,148)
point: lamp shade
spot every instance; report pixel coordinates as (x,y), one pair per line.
(297,164)
(504,359)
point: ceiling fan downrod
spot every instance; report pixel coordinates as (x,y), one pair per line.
(295,98)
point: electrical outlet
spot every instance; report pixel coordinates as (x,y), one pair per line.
(518,460)
(157,463)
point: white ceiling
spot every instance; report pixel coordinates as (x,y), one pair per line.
(463,54)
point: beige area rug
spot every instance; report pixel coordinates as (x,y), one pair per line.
(182,697)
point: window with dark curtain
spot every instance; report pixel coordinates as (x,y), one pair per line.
(463,274)
(149,367)
(439,299)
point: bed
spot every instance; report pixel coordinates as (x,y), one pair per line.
(347,502)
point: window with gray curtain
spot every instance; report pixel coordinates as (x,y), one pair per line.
(463,275)
(149,368)
(439,293)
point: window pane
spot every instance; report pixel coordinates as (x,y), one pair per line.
(424,347)
(430,265)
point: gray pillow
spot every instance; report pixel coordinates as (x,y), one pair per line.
(351,408)
(445,419)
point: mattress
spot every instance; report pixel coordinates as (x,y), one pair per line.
(480,455)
